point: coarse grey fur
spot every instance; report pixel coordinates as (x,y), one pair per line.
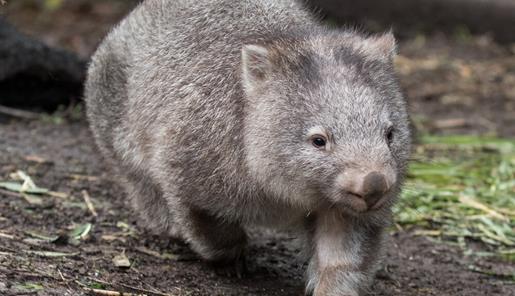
(208,111)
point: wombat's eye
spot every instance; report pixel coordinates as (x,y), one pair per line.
(318,141)
(389,135)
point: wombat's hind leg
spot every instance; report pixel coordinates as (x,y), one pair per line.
(216,240)
(147,200)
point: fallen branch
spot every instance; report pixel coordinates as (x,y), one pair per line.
(89,204)
(33,274)
(5,235)
(111,293)
(10,193)
(105,292)
(451,123)
(153,291)
(19,113)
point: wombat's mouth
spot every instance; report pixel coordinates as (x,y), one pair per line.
(356,205)
(354,202)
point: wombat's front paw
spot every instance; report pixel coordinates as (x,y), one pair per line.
(338,282)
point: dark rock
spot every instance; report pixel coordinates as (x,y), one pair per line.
(33,75)
(496,17)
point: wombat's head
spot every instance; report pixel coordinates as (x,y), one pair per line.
(326,124)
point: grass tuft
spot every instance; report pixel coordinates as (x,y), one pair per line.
(462,189)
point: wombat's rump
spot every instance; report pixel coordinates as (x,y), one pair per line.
(221,114)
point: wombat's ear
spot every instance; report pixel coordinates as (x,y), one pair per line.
(255,65)
(382,46)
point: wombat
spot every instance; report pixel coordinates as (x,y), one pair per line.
(219,115)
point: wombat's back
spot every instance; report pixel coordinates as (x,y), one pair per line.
(164,86)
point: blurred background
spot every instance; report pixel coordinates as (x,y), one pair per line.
(468,42)
(455,223)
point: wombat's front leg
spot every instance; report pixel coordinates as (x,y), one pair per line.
(345,255)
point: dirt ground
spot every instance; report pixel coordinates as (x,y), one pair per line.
(455,84)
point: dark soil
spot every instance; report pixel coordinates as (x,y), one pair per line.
(457,84)
(71,165)
(67,162)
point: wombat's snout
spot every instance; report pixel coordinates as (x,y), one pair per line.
(374,186)
(363,190)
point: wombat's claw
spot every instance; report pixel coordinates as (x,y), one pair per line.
(236,268)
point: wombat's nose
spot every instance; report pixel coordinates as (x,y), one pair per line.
(370,187)
(374,187)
